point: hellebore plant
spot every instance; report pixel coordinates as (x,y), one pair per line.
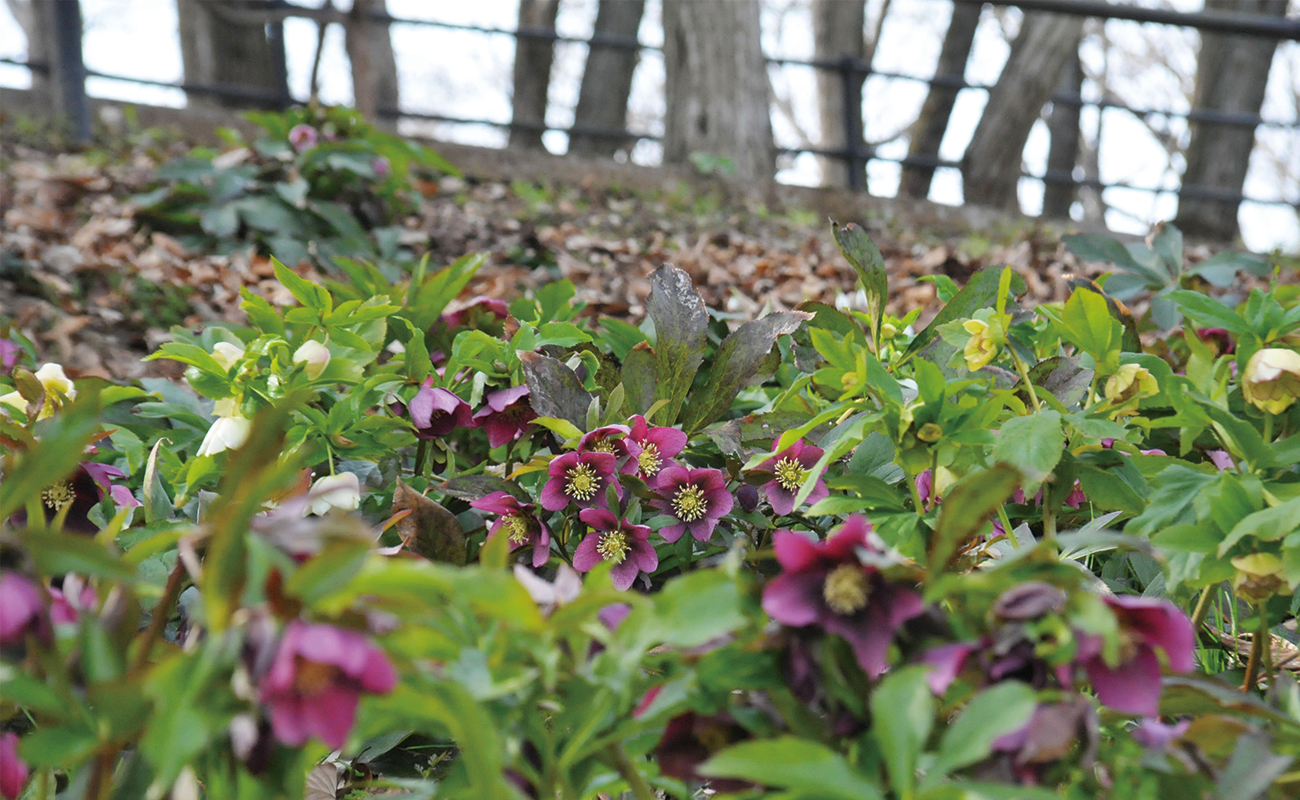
(1132,684)
(506,415)
(828,584)
(519,524)
(436,412)
(652,449)
(626,547)
(316,680)
(581,479)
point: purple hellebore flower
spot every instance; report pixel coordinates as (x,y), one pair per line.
(302,137)
(609,439)
(581,478)
(316,679)
(1153,734)
(382,167)
(67,603)
(1133,685)
(827,584)
(697,498)
(690,739)
(437,412)
(9,355)
(506,415)
(520,524)
(625,546)
(480,306)
(652,449)
(1050,734)
(790,467)
(22,609)
(13,770)
(1220,459)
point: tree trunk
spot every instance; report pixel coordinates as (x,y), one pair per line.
(1063,127)
(716,86)
(1231,73)
(34,18)
(374,67)
(223,45)
(533,59)
(933,120)
(991,166)
(838,33)
(607,80)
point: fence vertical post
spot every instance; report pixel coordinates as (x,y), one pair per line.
(851,103)
(67,70)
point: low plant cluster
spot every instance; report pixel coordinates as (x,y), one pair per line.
(387,541)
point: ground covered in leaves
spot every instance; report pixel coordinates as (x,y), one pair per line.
(96,291)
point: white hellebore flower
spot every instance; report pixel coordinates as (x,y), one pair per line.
(54,381)
(314,357)
(229,432)
(342,491)
(227,354)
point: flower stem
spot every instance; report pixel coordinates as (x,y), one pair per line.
(916,493)
(1268,427)
(1202,608)
(421,453)
(1256,650)
(1023,369)
(629,772)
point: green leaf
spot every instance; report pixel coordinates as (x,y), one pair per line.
(638,375)
(696,608)
(680,324)
(965,510)
(994,712)
(61,553)
(329,570)
(1175,489)
(788,762)
(1268,525)
(866,260)
(621,336)
(1032,444)
(1100,247)
(1087,323)
(737,360)
(1208,311)
(902,711)
(981,291)
(304,291)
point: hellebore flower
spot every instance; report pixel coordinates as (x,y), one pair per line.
(67,603)
(652,449)
(228,432)
(1050,735)
(57,385)
(302,137)
(1129,385)
(827,584)
(507,414)
(520,524)
(982,346)
(609,439)
(9,355)
(82,491)
(226,354)
(495,310)
(1258,577)
(1219,338)
(581,478)
(382,167)
(547,594)
(313,356)
(690,739)
(437,412)
(22,610)
(626,547)
(791,467)
(1133,685)
(341,491)
(1153,734)
(316,679)
(697,498)
(13,770)
(1272,379)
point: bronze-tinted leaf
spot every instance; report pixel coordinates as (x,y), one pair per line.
(429,530)
(554,390)
(639,379)
(680,323)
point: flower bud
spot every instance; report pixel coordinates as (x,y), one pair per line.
(1272,379)
(1259,576)
(1128,386)
(314,357)
(226,354)
(982,346)
(52,378)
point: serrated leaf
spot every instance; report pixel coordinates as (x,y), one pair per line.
(866,260)
(554,390)
(681,323)
(1032,444)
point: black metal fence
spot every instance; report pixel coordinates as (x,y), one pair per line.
(68,73)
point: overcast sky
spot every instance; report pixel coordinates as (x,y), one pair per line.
(468,75)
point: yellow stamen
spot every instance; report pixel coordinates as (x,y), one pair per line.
(516,528)
(613,547)
(583,482)
(312,677)
(604,446)
(58,495)
(649,461)
(689,503)
(846,589)
(790,474)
